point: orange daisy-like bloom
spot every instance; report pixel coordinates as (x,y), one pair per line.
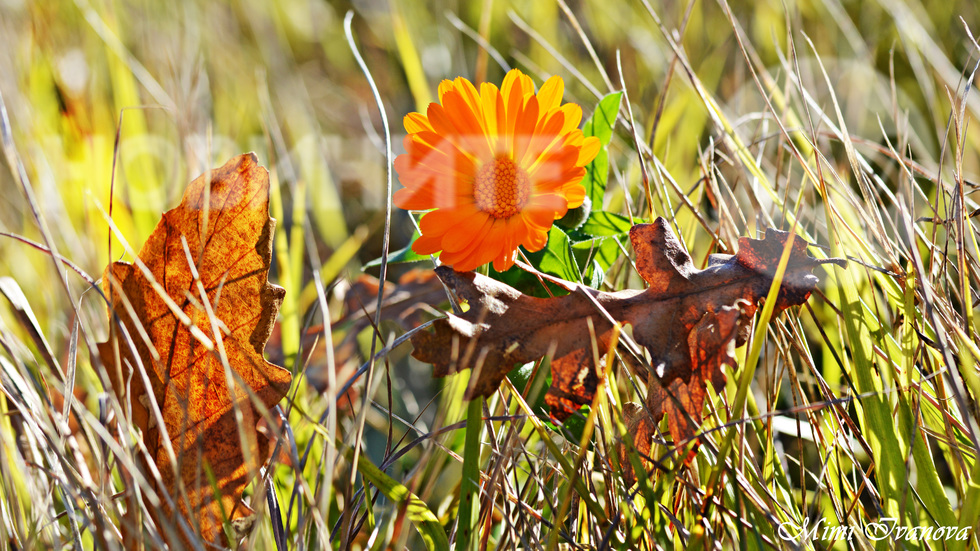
(498,166)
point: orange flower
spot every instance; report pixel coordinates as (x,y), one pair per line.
(498,166)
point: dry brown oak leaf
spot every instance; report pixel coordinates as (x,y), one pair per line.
(689,320)
(181,354)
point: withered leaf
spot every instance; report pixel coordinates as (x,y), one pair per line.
(403,303)
(689,320)
(223,223)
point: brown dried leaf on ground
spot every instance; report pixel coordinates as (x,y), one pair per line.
(689,320)
(415,289)
(178,346)
(402,303)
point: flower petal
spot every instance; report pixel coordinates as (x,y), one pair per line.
(482,251)
(516,234)
(536,239)
(417,122)
(469,230)
(527,120)
(573,116)
(474,255)
(549,173)
(542,210)
(469,93)
(517,82)
(575,195)
(427,245)
(439,120)
(445,86)
(550,94)
(590,148)
(468,124)
(495,119)
(547,135)
(439,222)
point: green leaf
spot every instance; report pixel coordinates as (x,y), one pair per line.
(604,224)
(596,175)
(521,375)
(531,380)
(557,259)
(595,256)
(596,274)
(562,258)
(405,254)
(572,427)
(600,125)
(603,251)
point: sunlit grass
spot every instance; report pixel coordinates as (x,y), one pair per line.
(852,120)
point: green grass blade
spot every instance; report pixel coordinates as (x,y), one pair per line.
(418,512)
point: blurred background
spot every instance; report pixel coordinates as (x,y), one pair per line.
(188,85)
(122,103)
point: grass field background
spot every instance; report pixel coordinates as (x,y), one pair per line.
(857,120)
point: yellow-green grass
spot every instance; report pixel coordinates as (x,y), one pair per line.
(851,120)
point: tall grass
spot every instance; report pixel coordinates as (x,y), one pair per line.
(855,121)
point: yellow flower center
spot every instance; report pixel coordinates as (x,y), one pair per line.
(501,188)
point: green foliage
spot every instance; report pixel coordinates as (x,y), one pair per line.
(404,254)
(601,125)
(849,119)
